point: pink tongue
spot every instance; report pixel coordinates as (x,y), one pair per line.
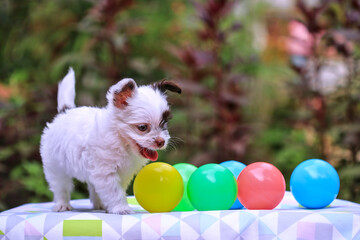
(150,154)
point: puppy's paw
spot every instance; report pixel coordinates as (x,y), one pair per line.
(98,206)
(121,210)
(62,207)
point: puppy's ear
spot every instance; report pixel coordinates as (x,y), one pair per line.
(119,93)
(165,85)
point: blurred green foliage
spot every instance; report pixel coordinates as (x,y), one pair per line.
(241,101)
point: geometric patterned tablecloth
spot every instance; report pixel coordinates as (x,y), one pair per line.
(288,221)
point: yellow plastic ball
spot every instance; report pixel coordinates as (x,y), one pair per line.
(158,187)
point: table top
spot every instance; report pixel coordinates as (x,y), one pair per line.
(341,220)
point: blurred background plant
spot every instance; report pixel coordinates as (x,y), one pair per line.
(263,81)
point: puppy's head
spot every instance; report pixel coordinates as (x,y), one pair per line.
(140,115)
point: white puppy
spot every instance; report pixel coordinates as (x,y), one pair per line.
(104,147)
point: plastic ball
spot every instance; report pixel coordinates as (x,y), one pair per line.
(158,187)
(212,187)
(235,167)
(314,183)
(261,186)
(185,170)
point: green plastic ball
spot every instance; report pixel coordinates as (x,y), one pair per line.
(185,170)
(212,187)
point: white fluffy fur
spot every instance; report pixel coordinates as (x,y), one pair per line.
(98,145)
(66,93)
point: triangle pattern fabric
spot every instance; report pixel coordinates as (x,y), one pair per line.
(134,232)
(173,231)
(129,224)
(265,231)
(53,219)
(324,231)
(212,230)
(13,221)
(356,236)
(305,230)
(264,213)
(232,220)
(188,232)
(2,235)
(30,230)
(177,215)
(33,215)
(113,221)
(16,232)
(206,221)
(167,221)
(188,214)
(56,232)
(337,235)
(108,232)
(225,213)
(269,222)
(356,226)
(36,221)
(241,220)
(3,221)
(84,216)
(227,232)
(289,218)
(339,220)
(192,221)
(154,222)
(315,218)
(291,232)
(147,232)
(251,232)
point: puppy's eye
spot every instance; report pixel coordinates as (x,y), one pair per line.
(143,127)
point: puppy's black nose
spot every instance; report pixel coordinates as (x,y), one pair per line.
(160,142)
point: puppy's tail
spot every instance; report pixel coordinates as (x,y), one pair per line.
(66,92)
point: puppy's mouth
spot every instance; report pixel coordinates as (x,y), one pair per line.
(148,153)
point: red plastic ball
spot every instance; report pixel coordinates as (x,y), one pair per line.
(261,186)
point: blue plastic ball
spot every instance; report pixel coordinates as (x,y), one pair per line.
(235,167)
(314,183)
